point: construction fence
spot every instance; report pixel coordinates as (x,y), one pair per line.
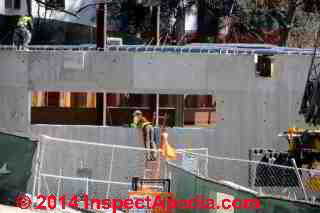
(187,185)
(268,182)
(72,167)
(267,177)
(69,167)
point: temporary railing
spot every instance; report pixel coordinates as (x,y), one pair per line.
(66,167)
(263,178)
(189,186)
(172,49)
(276,179)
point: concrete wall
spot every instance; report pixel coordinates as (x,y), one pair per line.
(14,99)
(252,110)
(139,72)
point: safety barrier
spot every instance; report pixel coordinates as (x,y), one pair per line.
(71,167)
(268,176)
(188,185)
(264,178)
(172,49)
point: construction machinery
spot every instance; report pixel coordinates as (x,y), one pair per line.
(303,144)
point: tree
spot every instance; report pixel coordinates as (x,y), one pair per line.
(277,18)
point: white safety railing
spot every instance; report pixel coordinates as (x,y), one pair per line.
(170,49)
(71,167)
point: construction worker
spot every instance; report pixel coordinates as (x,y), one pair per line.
(22,34)
(139,121)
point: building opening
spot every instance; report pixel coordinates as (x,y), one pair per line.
(263,66)
(86,108)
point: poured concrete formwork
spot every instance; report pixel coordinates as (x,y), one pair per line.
(14,97)
(252,110)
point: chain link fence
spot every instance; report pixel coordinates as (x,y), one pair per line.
(187,185)
(270,177)
(73,167)
(266,178)
(285,179)
(190,161)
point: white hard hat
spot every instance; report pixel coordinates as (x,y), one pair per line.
(137,112)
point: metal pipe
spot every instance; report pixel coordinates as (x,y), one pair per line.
(299,177)
(250,169)
(104,109)
(158,25)
(36,172)
(41,163)
(110,171)
(84,179)
(59,182)
(157,109)
(105,25)
(207,163)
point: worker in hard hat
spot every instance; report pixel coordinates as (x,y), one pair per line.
(22,34)
(139,121)
(136,117)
